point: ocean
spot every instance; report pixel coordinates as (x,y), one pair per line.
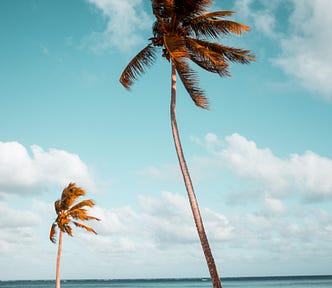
(241,282)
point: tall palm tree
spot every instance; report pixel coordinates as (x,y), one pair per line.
(182,30)
(68,210)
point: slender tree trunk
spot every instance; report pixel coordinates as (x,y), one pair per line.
(190,190)
(57,275)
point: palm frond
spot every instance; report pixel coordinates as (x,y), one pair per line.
(81,214)
(175,46)
(137,65)
(53,233)
(229,53)
(67,229)
(83,203)
(185,9)
(207,59)
(162,8)
(70,194)
(57,206)
(214,15)
(89,229)
(207,27)
(190,81)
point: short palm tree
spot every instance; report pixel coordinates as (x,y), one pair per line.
(68,210)
(182,30)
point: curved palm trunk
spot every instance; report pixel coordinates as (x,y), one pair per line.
(57,277)
(190,190)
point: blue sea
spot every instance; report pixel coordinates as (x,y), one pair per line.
(247,282)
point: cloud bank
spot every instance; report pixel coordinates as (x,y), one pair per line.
(24,173)
(126,19)
(308,175)
(306,51)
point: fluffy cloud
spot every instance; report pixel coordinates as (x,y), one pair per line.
(17,229)
(160,223)
(125,19)
(262,19)
(309,174)
(168,172)
(22,173)
(306,52)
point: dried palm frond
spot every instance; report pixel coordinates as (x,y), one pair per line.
(70,194)
(188,8)
(207,59)
(215,28)
(53,233)
(81,214)
(230,53)
(175,46)
(57,206)
(84,203)
(66,228)
(137,65)
(87,228)
(189,79)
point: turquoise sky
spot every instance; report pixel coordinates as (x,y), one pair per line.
(261,158)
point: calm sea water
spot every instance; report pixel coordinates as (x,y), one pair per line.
(252,282)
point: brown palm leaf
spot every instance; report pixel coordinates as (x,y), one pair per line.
(189,8)
(175,46)
(70,194)
(189,79)
(230,53)
(137,65)
(81,214)
(207,59)
(53,233)
(57,206)
(66,228)
(89,229)
(84,203)
(215,28)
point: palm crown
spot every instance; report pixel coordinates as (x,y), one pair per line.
(182,29)
(67,211)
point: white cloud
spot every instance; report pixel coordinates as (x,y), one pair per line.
(307,175)
(262,19)
(167,172)
(160,223)
(22,174)
(125,20)
(170,220)
(306,49)
(17,229)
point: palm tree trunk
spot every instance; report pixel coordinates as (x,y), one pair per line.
(57,277)
(190,190)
